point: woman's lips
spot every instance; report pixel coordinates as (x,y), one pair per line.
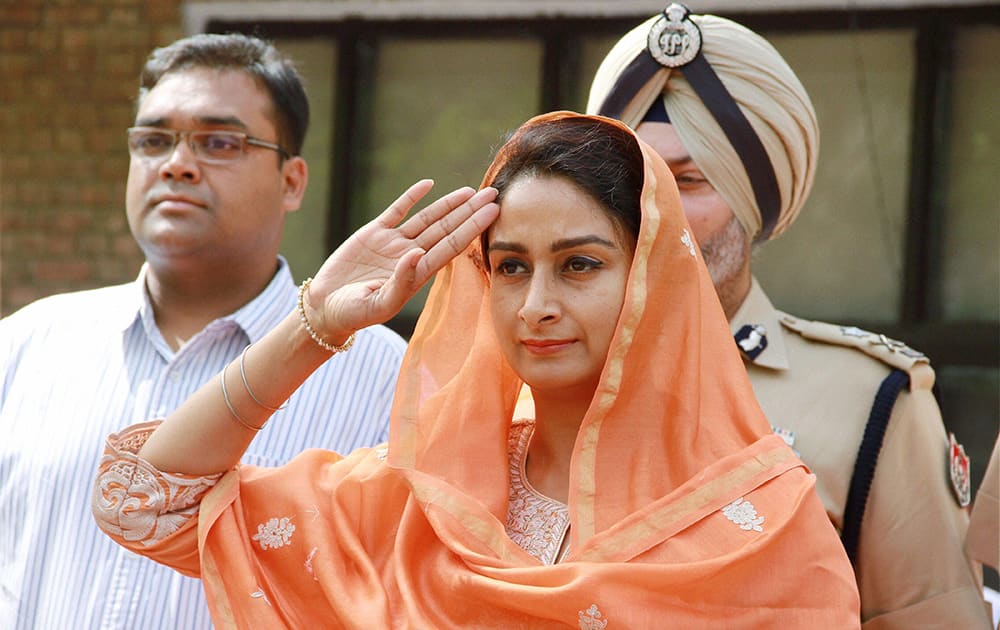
(547,346)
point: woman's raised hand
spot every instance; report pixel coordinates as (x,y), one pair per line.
(369,278)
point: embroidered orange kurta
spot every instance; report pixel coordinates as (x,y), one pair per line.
(684,509)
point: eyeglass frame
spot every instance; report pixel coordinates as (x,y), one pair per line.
(178,135)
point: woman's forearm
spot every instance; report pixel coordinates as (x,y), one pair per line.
(202,436)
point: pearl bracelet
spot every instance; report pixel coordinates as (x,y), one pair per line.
(329,347)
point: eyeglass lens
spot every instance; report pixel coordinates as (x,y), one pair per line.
(213,146)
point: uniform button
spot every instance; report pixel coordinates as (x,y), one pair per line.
(174,376)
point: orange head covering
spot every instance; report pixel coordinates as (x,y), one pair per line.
(673,399)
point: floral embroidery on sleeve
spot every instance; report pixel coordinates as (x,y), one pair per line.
(137,503)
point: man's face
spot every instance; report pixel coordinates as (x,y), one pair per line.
(183,211)
(720,236)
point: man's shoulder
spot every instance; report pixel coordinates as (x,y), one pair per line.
(73,308)
(849,348)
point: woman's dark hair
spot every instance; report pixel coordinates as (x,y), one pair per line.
(604,160)
(258,58)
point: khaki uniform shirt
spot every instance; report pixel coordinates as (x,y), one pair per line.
(983,542)
(818,392)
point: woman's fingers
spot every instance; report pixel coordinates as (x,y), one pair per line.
(398,209)
(440,219)
(416,266)
(372,275)
(401,285)
(456,240)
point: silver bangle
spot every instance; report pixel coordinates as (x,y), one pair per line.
(329,347)
(232,410)
(246,384)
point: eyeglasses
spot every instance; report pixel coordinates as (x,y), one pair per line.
(212,147)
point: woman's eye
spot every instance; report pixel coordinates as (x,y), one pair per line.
(508,267)
(578,264)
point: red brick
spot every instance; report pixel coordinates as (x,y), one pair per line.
(64,270)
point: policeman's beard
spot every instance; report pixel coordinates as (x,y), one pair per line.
(726,253)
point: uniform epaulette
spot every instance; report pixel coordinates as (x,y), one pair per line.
(892,352)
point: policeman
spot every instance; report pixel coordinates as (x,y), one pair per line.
(739,132)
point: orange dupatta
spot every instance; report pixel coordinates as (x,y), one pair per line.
(685,510)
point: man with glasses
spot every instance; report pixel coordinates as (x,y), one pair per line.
(214,170)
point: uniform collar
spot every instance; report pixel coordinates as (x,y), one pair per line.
(757,310)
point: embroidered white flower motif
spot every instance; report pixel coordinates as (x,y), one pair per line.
(275,533)
(686,239)
(590,619)
(382,453)
(260,594)
(744,514)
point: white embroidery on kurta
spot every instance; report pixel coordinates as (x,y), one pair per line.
(538,524)
(382,453)
(259,594)
(309,563)
(590,619)
(314,512)
(744,514)
(686,239)
(275,533)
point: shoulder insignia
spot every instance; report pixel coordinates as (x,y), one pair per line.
(958,467)
(890,351)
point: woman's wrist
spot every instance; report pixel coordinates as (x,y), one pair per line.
(333,343)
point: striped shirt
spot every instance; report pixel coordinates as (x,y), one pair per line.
(78,366)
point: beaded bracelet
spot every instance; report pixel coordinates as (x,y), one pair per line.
(329,347)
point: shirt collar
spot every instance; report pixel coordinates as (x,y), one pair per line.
(265,311)
(135,304)
(255,318)
(758,310)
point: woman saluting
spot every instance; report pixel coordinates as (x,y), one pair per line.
(646,491)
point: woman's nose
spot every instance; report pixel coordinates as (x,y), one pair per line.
(541,304)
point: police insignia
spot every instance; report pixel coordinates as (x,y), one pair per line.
(752,339)
(674,40)
(853,331)
(958,466)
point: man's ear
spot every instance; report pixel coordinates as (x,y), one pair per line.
(295,176)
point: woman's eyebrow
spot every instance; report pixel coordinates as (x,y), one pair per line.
(592,239)
(506,246)
(561,244)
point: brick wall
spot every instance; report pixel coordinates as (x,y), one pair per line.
(68,75)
